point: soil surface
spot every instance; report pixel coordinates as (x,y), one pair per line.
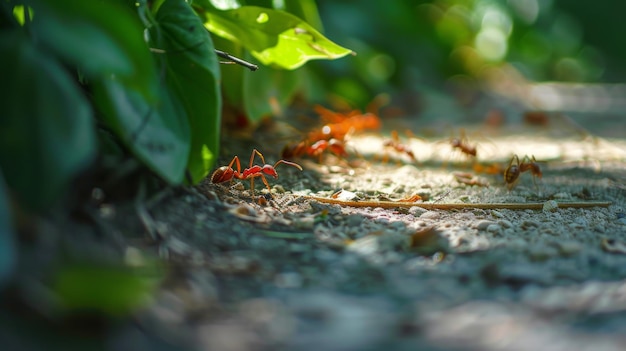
(287,272)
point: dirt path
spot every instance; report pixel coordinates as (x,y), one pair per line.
(296,274)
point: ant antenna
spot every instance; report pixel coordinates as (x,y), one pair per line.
(236,60)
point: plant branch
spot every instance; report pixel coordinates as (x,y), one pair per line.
(236,60)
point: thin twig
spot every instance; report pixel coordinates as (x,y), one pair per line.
(443,206)
(236,60)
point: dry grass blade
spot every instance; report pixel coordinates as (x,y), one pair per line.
(459,206)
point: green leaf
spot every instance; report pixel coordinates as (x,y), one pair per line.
(110,290)
(98,37)
(46,131)
(274,37)
(193,74)
(8,248)
(157,133)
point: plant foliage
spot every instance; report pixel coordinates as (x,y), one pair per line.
(280,38)
(142,72)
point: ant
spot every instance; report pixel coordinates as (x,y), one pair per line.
(394,143)
(530,164)
(334,146)
(462,144)
(227,173)
(341,124)
(515,168)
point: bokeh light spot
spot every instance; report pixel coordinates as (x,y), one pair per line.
(491,44)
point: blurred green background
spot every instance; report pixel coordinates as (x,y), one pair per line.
(404,45)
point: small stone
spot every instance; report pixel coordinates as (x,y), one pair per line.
(550,206)
(582,221)
(497,214)
(417,211)
(430,215)
(482,224)
(493,228)
(366,245)
(505,223)
(530,223)
(354,220)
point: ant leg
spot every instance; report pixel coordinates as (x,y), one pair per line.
(252,185)
(254,153)
(236,160)
(266,184)
(236,174)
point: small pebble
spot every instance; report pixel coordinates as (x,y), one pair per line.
(530,223)
(582,221)
(482,224)
(354,220)
(505,223)
(430,215)
(493,228)
(497,214)
(366,245)
(550,206)
(417,211)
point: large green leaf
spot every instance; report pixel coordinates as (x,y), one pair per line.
(274,37)
(98,37)
(157,133)
(193,74)
(46,130)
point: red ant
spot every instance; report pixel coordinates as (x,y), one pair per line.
(394,143)
(227,173)
(515,168)
(316,149)
(342,124)
(462,144)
